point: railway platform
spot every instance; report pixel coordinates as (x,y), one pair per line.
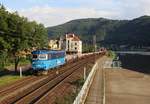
(96,90)
(92,90)
(111,85)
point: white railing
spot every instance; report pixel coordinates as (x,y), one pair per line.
(110,64)
(80,99)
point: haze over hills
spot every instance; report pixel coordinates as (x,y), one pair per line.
(119,32)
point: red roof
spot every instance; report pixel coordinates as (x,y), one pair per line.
(74,37)
(69,35)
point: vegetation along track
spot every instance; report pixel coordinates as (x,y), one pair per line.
(22,94)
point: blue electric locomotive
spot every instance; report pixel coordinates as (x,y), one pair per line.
(47,59)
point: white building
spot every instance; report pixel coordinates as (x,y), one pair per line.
(73,44)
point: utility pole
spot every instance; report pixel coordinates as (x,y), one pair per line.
(94,45)
(60,43)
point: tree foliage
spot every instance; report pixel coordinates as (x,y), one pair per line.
(17,34)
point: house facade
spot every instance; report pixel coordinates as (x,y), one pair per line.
(54,45)
(73,44)
(70,42)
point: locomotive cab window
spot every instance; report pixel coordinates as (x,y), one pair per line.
(34,57)
(43,57)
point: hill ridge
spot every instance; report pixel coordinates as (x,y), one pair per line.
(108,31)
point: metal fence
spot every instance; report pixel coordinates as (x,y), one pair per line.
(80,99)
(112,64)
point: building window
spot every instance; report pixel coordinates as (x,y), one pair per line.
(68,45)
(75,48)
(71,44)
(75,43)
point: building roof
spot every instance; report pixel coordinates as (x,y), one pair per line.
(76,39)
(73,36)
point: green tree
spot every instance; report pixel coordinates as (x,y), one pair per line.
(17,35)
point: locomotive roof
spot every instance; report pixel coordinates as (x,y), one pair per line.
(46,51)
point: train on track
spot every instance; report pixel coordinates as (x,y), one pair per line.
(44,60)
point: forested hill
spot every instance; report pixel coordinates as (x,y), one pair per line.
(127,32)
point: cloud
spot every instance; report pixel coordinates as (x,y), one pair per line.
(133,8)
(53,12)
(51,16)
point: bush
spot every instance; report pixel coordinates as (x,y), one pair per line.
(111,54)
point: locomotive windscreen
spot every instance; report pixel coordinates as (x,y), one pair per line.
(39,57)
(43,57)
(34,56)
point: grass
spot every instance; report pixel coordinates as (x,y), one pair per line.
(4,80)
(21,63)
(25,62)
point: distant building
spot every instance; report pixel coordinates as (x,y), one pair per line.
(70,42)
(54,45)
(73,44)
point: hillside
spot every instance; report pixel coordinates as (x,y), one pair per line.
(108,32)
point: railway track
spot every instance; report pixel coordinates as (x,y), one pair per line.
(20,84)
(62,78)
(12,99)
(25,81)
(62,87)
(17,85)
(36,91)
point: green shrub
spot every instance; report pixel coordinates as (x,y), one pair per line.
(111,54)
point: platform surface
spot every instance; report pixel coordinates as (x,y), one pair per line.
(122,86)
(96,91)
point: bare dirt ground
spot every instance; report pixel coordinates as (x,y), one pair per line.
(127,87)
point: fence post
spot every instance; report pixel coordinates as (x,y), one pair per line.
(84,73)
(20,72)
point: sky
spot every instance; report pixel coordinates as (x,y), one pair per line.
(55,12)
